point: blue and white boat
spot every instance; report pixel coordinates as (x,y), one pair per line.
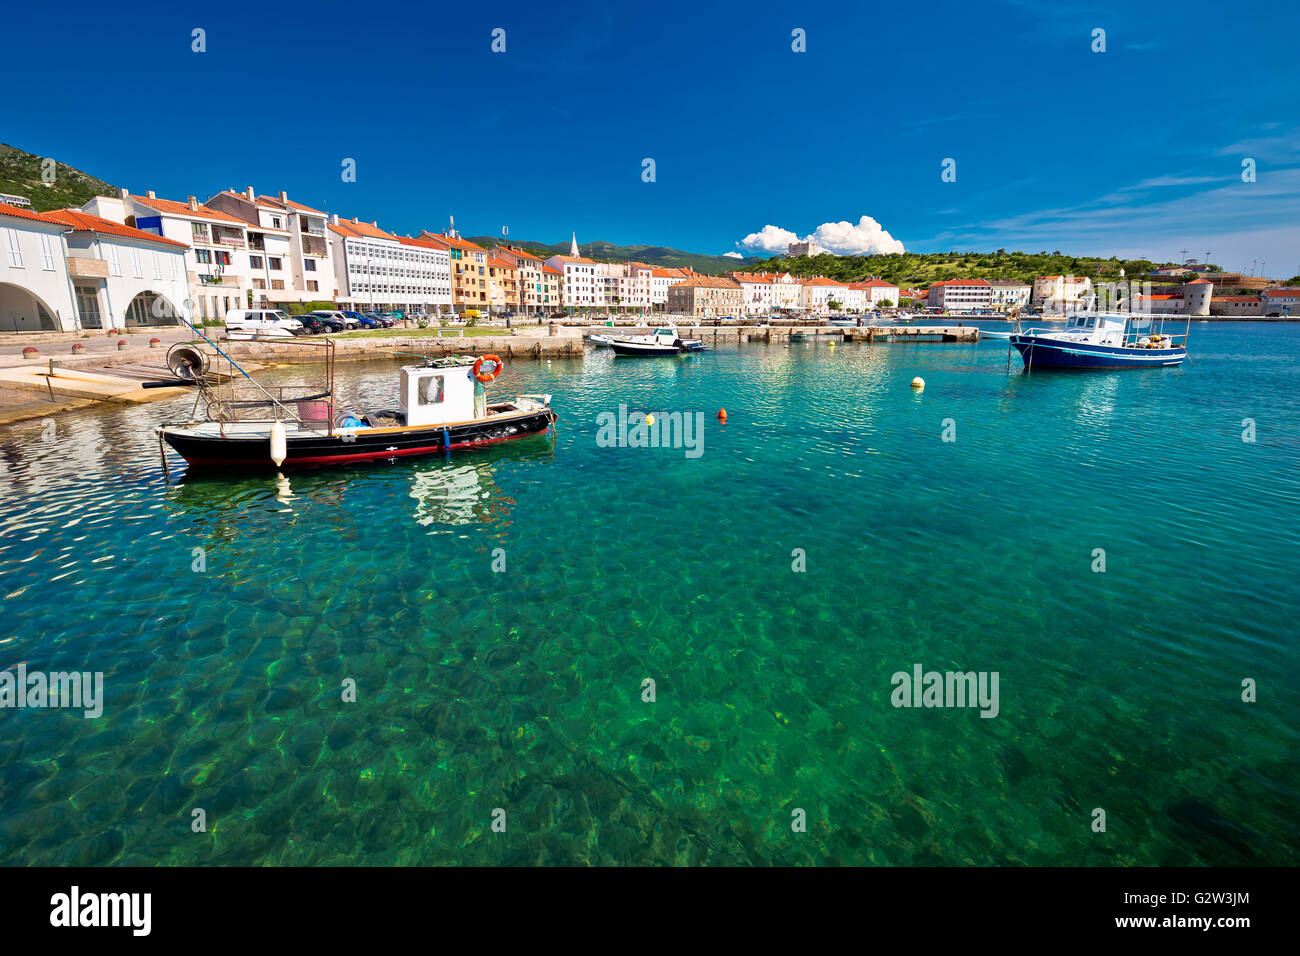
(1102,340)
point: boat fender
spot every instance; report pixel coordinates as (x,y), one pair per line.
(483,376)
(446,439)
(279,444)
(918,383)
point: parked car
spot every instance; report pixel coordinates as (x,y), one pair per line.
(332,321)
(335,315)
(362,320)
(246,323)
(314,324)
(379,321)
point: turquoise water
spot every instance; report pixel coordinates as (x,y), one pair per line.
(522,690)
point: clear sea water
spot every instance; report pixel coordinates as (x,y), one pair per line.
(522,690)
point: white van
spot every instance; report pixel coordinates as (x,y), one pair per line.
(251,323)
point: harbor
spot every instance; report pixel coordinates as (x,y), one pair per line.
(499,610)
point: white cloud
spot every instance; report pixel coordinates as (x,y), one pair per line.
(863,238)
(769,239)
(732,255)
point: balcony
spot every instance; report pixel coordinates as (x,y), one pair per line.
(85,268)
(314,249)
(233,242)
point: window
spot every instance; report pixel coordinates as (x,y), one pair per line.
(313,285)
(88,307)
(259,283)
(431,392)
(157,265)
(203,256)
(275,222)
(15,252)
(47,253)
(309,265)
(277,284)
(255,261)
(114,261)
(135,261)
(223,258)
(275,263)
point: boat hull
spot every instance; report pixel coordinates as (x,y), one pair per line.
(1052,353)
(643,351)
(362,444)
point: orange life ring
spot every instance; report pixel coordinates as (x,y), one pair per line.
(485,376)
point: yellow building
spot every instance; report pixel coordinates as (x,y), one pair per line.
(706,297)
(469,277)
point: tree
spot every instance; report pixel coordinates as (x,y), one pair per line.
(888,303)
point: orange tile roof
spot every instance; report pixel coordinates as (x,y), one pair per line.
(575,259)
(1235,298)
(669,273)
(872,284)
(84,222)
(354,229)
(546,268)
(1200,282)
(753,278)
(707,282)
(822,280)
(499,263)
(183,209)
(520,253)
(19,213)
(454,242)
(1281,293)
(422,243)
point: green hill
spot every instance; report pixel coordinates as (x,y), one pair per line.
(907,269)
(662,256)
(20,175)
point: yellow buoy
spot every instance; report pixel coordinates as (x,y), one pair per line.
(279,443)
(649,419)
(918,383)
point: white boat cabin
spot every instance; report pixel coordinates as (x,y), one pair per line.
(437,395)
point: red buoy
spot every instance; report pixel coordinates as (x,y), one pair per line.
(722,415)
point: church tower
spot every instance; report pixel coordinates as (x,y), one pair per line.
(573,248)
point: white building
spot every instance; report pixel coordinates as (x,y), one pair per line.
(378,271)
(1283,301)
(35,290)
(1007,294)
(755,292)
(876,292)
(1060,293)
(805,248)
(582,283)
(660,281)
(216,265)
(123,277)
(819,292)
(289,251)
(961,295)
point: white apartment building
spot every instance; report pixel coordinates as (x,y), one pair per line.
(1283,301)
(961,295)
(217,267)
(1060,293)
(378,271)
(819,292)
(35,291)
(1007,294)
(787,292)
(289,251)
(875,292)
(583,286)
(660,281)
(755,292)
(626,286)
(122,277)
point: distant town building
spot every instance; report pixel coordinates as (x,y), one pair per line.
(1192,298)
(819,292)
(804,248)
(1236,305)
(20,202)
(961,295)
(532,292)
(1281,301)
(660,282)
(582,289)
(876,292)
(705,297)
(1007,294)
(1060,293)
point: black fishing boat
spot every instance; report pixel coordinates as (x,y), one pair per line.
(442,406)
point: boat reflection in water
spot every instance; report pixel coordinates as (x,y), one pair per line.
(448,491)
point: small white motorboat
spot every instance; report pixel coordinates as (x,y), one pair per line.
(601,341)
(663,341)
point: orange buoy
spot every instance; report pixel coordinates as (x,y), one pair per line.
(486,377)
(722,414)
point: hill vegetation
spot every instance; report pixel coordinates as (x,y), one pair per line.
(664,257)
(908,269)
(21,175)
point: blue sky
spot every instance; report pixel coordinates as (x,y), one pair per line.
(1134,151)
